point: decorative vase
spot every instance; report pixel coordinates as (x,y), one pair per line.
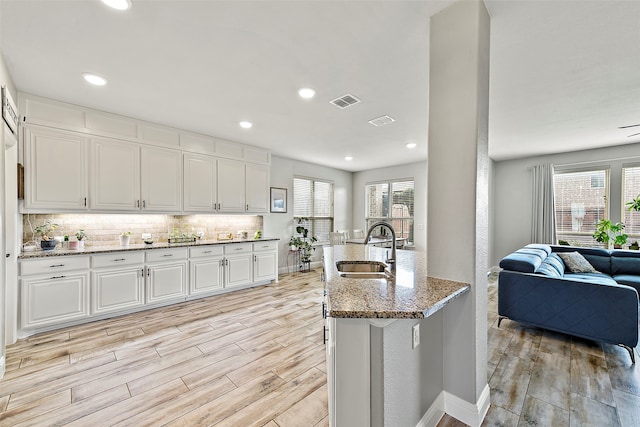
(74,245)
(124,240)
(80,244)
(48,245)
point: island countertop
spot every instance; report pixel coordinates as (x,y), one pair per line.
(410,295)
(88,250)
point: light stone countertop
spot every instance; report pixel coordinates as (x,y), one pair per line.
(88,250)
(411,295)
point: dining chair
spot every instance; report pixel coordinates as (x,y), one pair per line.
(336,238)
(345,233)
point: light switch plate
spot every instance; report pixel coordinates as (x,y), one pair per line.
(416,336)
(146,236)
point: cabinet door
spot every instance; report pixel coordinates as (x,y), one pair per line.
(238,270)
(166,282)
(116,290)
(55,170)
(257,188)
(47,301)
(231,186)
(199,183)
(161,180)
(206,275)
(115,175)
(265,266)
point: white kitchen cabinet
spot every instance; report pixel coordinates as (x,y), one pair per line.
(117,282)
(53,291)
(161,180)
(55,170)
(166,275)
(206,268)
(200,183)
(115,175)
(265,261)
(231,189)
(238,264)
(257,188)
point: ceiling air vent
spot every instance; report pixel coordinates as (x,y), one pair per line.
(345,101)
(381,121)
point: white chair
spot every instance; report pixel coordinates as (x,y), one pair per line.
(336,238)
(358,233)
(345,233)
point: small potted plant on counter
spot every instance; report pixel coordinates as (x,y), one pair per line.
(46,231)
(125,238)
(78,242)
(634,246)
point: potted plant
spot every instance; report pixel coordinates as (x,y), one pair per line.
(610,234)
(304,244)
(78,241)
(634,246)
(125,238)
(46,231)
(634,205)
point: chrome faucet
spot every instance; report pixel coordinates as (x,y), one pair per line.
(392,260)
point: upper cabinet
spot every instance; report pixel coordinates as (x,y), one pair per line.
(55,170)
(78,159)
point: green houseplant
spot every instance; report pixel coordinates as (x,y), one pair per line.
(634,246)
(634,205)
(610,234)
(46,231)
(304,243)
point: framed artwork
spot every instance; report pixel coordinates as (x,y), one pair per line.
(278,200)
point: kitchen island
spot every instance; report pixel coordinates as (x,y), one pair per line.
(378,361)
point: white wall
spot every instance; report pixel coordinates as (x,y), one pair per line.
(513,197)
(281,224)
(415,171)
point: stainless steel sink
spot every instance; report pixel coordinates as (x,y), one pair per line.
(361,266)
(363,270)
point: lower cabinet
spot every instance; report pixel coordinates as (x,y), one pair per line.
(206,269)
(265,261)
(166,275)
(117,282)
(238,266)
(48,301)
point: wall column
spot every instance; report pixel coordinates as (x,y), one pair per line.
(458,193)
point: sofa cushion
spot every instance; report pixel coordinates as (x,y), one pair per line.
(539,246)
(629,280)
(526,260)
(599,258)
(598,278)
(576,263)
(625,262)
(552,266)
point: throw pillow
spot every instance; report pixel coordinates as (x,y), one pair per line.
(576,263)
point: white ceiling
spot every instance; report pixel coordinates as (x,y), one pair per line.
(564,74)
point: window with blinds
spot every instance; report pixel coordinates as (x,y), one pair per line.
(581,200)
(392,202)
(313,200)
(631,189)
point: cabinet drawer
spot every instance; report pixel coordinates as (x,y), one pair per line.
(117,259)
(265,246)
(205,251)
(238,248)
(54,264)
(160,255)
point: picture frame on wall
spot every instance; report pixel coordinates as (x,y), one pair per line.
(278,200)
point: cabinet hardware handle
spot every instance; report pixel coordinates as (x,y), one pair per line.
(237,249)
(120,259)
(8,255)
(324,334)
(56,265)
(255,258)
(206,252)
(142,272)
(144,203)
(148,272)
(324,313)
(219,206)
(85,201)
(138,203)
(58,277)
(247,207)
(167,255)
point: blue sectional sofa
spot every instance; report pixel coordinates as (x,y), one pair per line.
(536,287)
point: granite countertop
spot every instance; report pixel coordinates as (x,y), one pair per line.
(411,295)
(39,253)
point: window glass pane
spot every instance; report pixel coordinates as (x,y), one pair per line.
(302,197)
(313,200)
(630,190)
(580,202)
(377,200)
(322,199)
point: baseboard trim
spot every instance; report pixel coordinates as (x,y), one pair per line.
(2,366)
(434,414)
(469,413)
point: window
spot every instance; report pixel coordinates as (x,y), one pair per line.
(580,202)
(313,199)
(396,209)
(630,189)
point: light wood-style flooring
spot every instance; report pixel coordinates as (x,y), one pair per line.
(256,357)
(250,357)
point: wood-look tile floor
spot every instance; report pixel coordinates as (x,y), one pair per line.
(256,357)
(249,357)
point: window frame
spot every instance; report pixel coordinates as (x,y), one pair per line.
(312,219)
(389,218)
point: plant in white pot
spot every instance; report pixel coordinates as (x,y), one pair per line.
(125,238)
(46,233)
(78,240)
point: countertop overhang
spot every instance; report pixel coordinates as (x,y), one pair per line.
(410,295)
(39,253)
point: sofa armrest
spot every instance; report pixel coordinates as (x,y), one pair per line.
(601,312)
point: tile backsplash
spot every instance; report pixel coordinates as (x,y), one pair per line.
(104,230)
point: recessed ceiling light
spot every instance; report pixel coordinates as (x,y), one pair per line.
(94,79)
(348,158)
(411,145)
(306,93)
(118,4)
(246,125)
